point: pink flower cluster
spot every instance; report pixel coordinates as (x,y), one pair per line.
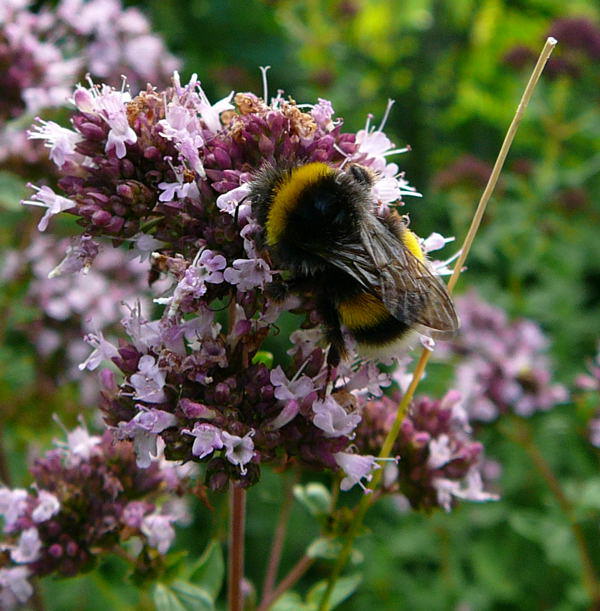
(88,496)
(44,52)
(171,170)
(439,462)
(501,365)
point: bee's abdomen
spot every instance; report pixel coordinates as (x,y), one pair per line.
(369,321)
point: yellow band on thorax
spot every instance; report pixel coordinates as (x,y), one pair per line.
(287,194)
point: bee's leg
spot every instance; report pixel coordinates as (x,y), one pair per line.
(277,291)
(237,209)
(333,333)
(280,289)
(333,358)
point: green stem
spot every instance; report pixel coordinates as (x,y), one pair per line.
(151,224)
(390,439)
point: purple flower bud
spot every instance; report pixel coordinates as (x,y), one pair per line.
(55,550)
(91,131)
(72,548)
(101,218)
(266,146)
(115,225)
(125,190)
(53,528)
(152,153)
(221,157)
(108,380)
(222,394)
(194,410)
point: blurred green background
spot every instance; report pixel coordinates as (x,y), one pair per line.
(456,70)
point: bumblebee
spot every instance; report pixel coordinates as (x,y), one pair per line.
(367,273)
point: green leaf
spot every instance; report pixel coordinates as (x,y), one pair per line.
(264,357)
(209,571)
(182,596)
(315,497)
(12,190)
(343,589)
(324,548)
(586,495)
(290,601)
(194,597)
(330,549)
(165,599)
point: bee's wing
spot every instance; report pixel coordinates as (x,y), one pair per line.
(408,289)
(384,266)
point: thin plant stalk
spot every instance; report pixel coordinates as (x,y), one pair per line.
(237,523)
(287,582)
(402,410)
(279,538)
(521,434)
